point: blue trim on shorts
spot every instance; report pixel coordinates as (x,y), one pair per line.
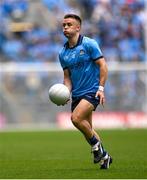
(89,97)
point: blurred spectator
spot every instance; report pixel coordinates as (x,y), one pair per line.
(15,9)
(87,7)
(14,48)
(38,41)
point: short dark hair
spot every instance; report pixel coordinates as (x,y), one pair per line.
(74,16)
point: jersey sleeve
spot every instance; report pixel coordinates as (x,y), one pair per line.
(94,50)
(63,64)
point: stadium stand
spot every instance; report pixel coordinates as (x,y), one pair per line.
(31,32)
(117,26)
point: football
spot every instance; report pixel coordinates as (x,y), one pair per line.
(59,94)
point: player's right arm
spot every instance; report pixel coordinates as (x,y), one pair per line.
(67,80)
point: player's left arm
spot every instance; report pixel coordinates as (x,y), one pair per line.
(103,77)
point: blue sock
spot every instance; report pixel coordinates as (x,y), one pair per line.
(93,140)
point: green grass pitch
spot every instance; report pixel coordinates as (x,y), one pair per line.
(66,155)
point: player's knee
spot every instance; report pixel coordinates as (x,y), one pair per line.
(75,119)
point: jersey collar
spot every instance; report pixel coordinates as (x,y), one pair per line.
(66,45)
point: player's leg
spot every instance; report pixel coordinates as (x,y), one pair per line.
(89,119)
(106,159)
(79,118)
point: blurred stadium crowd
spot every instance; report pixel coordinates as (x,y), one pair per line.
(31,30)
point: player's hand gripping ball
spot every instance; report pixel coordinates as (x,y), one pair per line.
(59,94)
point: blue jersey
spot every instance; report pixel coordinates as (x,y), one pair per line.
(80,61)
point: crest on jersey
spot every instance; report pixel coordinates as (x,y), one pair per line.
(82,52)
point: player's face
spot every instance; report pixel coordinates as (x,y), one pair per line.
(70,27)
